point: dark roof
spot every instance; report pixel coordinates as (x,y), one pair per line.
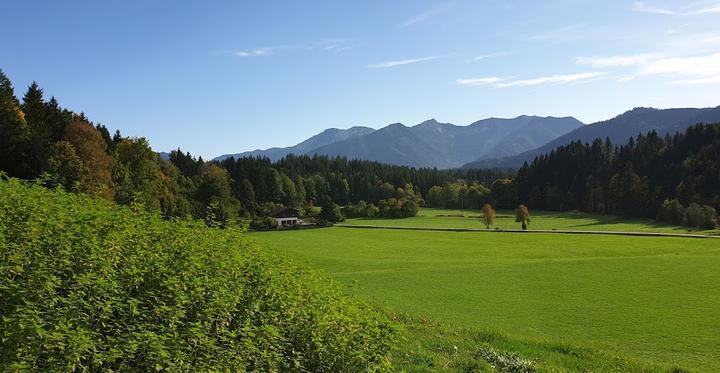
(284,212)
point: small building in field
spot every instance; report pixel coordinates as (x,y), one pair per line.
(285,216)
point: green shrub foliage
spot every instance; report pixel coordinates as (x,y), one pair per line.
(87,285)
(671,211)
(700,216)
(263,224)
(695,215)
(330,213)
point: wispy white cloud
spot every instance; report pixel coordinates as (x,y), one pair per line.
(699,66)
(427,14)
(705,80)
(328,44)
(418,18)
(401,62)
(255,52)
(691,10)
(475,82)
(569,32)
(614,61)
(624,79)
(553,79)
(493,55)
(688,69)
(642,7)
(325,45)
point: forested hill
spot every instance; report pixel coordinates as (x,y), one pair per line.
(635,179)
(430,143)
(619,130)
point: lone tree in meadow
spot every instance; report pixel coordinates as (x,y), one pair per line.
(522,216)
(488,217)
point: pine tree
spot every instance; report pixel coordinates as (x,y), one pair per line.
(246,195)
(13,131)
(39,137)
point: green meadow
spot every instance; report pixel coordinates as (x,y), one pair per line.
(443,218)
(652,300)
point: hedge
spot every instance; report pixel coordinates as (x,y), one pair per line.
(87,285)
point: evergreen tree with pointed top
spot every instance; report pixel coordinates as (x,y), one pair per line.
(39,138)
(13,131)
(246,195)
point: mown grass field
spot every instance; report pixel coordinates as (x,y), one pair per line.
(442,218)
(652,299)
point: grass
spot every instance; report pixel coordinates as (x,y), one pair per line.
(431,346)
(654,299)
(442,218)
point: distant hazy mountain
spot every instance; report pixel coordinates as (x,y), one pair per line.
(325,137)
(445,145)
(619,129)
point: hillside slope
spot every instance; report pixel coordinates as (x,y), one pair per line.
(325,137)
(619,130)
(445,145)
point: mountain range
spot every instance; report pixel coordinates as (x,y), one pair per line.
(430,143)
(487,143)
(325,137)
(619,130)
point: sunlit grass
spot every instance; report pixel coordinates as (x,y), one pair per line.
(654,299)
(442,218)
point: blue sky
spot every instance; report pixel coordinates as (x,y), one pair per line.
(215,77)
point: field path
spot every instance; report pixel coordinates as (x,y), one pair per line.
(562,231)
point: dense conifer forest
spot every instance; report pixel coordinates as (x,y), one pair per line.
(640,179)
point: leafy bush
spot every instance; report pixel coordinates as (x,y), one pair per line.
(671,211)
(330,213)
(397,208)
(360,210)
(86,285)
(700,216)
(264,224)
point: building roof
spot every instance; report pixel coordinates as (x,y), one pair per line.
(284,212)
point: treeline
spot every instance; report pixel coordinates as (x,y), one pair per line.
(630,180)
(297,178)
(302,181)
(463,194)
(40,139)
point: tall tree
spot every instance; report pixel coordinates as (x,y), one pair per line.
(488,215)
(246,195)
(39,138)
(136,174)
(218,206)
(13,132)
(91,148)
(65,166)
(522,216)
